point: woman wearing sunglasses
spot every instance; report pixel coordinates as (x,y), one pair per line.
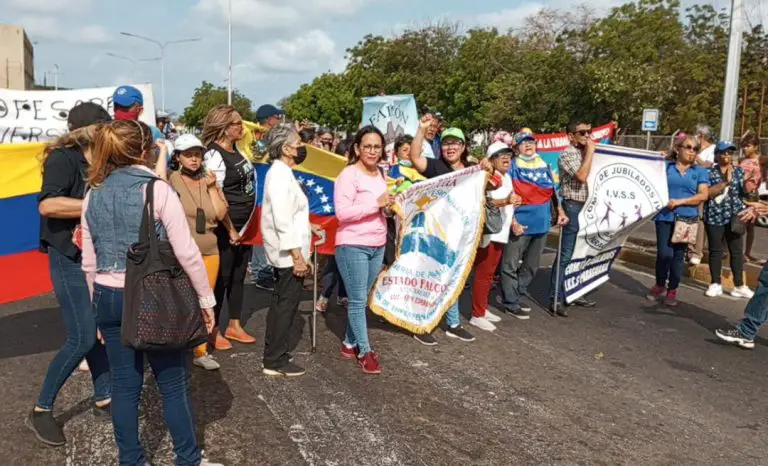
(222,129)
(722,220)
(688,187)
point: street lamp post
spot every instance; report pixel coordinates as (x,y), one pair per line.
(132,61)
(229,88)
(56,77)
(162,46)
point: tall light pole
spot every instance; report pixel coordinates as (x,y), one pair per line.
(229,88)
(162,46)
(132,61)
(55,77)
(731,94)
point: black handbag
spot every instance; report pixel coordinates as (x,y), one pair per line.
(737,226)
(161,310)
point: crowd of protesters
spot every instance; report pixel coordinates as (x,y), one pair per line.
(97,176)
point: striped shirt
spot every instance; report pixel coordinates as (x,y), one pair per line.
(571,189)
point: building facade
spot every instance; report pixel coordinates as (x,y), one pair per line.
(17,57)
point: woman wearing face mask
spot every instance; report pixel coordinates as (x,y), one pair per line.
(204,208)
(688,187)
(722,220)
(235,178)
(360,195)
(118,176)
(454,156)
(287,236)
(492,245)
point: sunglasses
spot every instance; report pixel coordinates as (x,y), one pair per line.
(690,147)
(582,132)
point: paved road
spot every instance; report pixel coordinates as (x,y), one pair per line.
(627,383)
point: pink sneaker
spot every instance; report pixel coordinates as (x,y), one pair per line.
(671,299)
(348,352)
(655,293)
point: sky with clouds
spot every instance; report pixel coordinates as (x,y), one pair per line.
(277,44)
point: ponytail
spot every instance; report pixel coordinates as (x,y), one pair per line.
(118,144)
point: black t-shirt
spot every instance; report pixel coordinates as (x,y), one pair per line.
(437,167)
(239,184)
(64,174)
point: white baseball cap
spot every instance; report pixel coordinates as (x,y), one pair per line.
(187,141)
(497,148)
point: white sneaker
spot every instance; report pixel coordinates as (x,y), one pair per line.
(714,289)
(491,317)
(205,462)
(482,323)
(206,362)
(694,260)
(742,291)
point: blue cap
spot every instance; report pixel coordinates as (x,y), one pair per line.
(724,146)
(522,137)
(127,96)
(266,111)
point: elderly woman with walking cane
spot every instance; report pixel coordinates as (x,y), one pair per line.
(287,236)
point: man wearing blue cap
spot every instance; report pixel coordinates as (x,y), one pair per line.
(129,105)
(262,273)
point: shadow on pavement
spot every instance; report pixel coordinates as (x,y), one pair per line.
(31,332)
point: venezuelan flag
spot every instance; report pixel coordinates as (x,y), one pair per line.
(23,270)
(317,175)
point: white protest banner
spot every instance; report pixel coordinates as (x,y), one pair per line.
(441,225)
(40,116)
(394,115)
(626,188)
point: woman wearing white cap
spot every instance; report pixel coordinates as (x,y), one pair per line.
(204,208)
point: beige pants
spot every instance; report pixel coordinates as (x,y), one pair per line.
(697,250)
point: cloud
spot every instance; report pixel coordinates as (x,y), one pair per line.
(509,18)
(304,53)
(49,28)
(282,17)
(49,6)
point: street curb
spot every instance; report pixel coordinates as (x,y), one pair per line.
(642,252)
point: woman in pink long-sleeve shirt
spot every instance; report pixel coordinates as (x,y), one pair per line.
(111,219)
(360,194)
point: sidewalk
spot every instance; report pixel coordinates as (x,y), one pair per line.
(640,250)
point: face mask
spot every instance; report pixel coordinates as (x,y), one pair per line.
(301,155)
(527,158)
(406,163)
(194,174)
(131,115)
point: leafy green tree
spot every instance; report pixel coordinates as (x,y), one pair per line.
(328,101)
(206,97)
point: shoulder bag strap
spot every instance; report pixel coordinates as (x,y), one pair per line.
(148,221)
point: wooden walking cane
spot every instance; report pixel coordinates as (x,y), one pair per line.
(319,242)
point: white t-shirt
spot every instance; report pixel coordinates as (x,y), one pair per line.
(708,154)
(427,150)
(508,212)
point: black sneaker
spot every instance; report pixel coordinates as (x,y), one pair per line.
(288,370)
(562,311)
(583,302)
(735,337)
(425,339)
(519,313)
(266,284)
(525,307)
(102,413)
(46,429)
(460,333)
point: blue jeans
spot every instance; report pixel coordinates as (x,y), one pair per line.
(569,234)
(171,373)
(72,293)
(756,312)
(452,318)
(359,266)
(332,277)
(260,268)
(670,257)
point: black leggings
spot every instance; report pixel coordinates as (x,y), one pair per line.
(715,235)
(231,279)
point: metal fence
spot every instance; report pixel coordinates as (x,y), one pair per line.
(662,143)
